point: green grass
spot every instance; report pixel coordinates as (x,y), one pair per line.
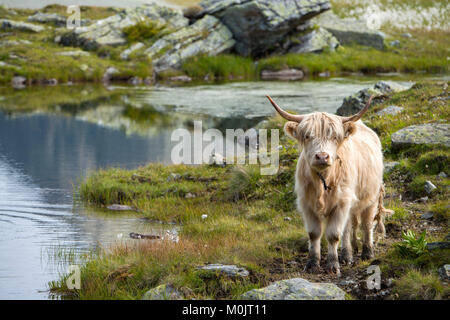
(415,285)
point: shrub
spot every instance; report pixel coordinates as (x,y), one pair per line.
(412,246)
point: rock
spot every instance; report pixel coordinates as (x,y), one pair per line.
(286,74)
(217,159)
(120,207)
(407,35)
(317,40)
(53,18)
(391,110)
(18,82)
(6,24)
(229,270)
(13,43)
(395,43)
(189,195)
(126,53)
(181,78)
(206,36)
(163,292)
(50,82)
(389,166)
(444,272)
(109,31)
(287,219)
(135,81)
(74,53)
(348,31)
(429,133)
(427,216)
(354,103)
(260,25)
(109,73)
(438,245)
(296,289)
(174,177)
(423,199)
(442,175)
(429,186)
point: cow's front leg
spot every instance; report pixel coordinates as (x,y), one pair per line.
(335,227)
(314,228)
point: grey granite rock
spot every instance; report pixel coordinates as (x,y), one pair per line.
(429,133)
(229,270)
(163,292)
(6,24)
(296,289)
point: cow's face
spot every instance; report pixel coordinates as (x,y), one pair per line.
(320,135)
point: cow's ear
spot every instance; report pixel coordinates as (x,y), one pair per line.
(349,128)
(290,128)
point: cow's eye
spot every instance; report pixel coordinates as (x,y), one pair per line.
(307,137)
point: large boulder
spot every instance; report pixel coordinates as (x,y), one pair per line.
(354,103)
(349,31)
(259,26)
(6,24)
(206,36)
(109,31)
(296,289)
(429,133)
(316,40)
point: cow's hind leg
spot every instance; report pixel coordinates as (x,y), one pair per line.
(355,225)
(367,218)
(346,250)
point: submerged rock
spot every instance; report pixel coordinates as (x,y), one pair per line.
(6,24)
(206,36)
(120,207)
(296,289)
(356,102)
(260,25)
(109,31)
(18,82)
(349,31)
(286,74)
(229,270)
(428,133)
(163,292)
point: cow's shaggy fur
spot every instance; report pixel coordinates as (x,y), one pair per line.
(346,192)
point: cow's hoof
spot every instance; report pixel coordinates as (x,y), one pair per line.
(312,266)
(367,253)
(346,257)
(333,268)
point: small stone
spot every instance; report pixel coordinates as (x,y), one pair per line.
(287,218)
(444,272)
(18,82)
(135,81)
(438,245)
(442,175)
(120,207)
(74,53)
(6,24)
(174,177)
(163,292)
(427,215)
(346,282)
(189,195)
(286,74)
(204,216)
(429,186)
(229,270)
(109,74)
(389,166)
(395,43)
(182,78)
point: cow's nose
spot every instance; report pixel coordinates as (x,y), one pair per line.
(322,156)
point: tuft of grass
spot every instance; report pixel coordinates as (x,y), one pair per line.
(144,30)
(415,285)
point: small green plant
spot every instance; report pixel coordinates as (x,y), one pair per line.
(412,246)
(143,30)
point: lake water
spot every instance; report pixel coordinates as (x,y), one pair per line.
(51,137)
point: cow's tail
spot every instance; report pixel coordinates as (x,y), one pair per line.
(382,211)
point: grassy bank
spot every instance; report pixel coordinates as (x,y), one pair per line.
(251,220)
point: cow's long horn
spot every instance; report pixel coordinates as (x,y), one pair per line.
(358,116)
(284,114)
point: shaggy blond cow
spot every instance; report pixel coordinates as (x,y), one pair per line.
(338,183)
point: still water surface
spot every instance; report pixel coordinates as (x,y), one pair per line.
(52,137)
